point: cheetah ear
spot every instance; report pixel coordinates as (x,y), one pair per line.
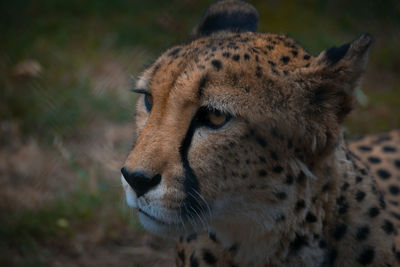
(227,15)
(335,73)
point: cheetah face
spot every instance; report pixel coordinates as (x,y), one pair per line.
(228,121)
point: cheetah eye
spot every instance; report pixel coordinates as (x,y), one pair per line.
(213,118)
(148,98)
(148,102)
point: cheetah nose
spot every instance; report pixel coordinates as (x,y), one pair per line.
(140,181)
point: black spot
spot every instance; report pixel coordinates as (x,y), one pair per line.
(274,71)
(330,257)
(301,178)
(300,204)
(397,163)
(261,141)
(226,54)
(388,227)
(285,59)
(306,57)
(236,57)
(326,187)
(262,159)
(262,173)
(271,63)
(374,160)
(345,186)
(193,261)
(174,52)
(343,204)
(213,237)
(373,212)
(280,218)
(290,144)
(258,72)
(246,56)
(191,237)
(394,190)
(383,174)
(270,47)
(382,202)
(366,256)
(289,179)
(208,257)
(311,218)
(339,231)
(322,244)
(365,148)
(358,179)
(294,53)
(217,64)
(299,242)
(360,195)
(273,155)
(181,255)
(389,149)
(275,132)
(396,215)
(362,233)
(281,195)
(314,199)
(335,54)
(277,169)
(397,256)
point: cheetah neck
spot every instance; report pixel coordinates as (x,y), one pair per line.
(342,218)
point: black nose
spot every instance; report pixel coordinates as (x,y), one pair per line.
(140,182)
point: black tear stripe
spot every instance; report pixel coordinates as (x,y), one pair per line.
(190,184)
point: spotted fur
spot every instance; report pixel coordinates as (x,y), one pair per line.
(274,184)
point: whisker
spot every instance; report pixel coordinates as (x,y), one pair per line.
(205,202)
(202,211)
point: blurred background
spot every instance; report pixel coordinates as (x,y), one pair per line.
(66,113)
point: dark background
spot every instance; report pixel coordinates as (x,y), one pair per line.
(66,114)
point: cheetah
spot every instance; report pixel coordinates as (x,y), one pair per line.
(240,151)
(381,153)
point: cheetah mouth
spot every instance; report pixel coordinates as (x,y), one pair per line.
(157,220)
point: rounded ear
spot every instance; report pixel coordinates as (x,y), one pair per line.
(332,77)
(227,15)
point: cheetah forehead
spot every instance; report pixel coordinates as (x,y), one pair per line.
(247,49)
(226,61)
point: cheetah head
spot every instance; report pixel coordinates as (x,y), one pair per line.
(233,122)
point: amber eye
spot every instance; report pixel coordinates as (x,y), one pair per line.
(213,118)
(148,101)
(216,118)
